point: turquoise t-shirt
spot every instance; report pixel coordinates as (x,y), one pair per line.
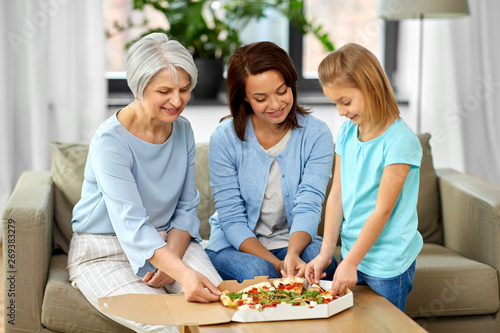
(362,165)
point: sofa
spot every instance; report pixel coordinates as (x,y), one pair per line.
(456,287)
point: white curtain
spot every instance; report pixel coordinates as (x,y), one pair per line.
(461,87)
(52,83)
(476,46)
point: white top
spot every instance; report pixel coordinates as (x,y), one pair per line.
(272,227)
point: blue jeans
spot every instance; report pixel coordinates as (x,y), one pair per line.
(395,289)
(235,265)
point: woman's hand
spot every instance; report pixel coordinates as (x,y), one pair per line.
(346,276)
(279,265)
(314,269)
(253,246)
(293,266)
(157,279)
(198,288)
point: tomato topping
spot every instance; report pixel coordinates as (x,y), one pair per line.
(288,286)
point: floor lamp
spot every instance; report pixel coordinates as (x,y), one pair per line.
(421,9)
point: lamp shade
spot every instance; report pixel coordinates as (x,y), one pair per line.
(407,9)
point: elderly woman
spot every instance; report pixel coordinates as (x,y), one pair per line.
(135,226)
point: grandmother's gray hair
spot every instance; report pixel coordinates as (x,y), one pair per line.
(153,53)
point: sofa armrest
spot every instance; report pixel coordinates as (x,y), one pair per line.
(471,216)
(27,247)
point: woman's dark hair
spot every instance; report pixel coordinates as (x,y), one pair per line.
(254,59)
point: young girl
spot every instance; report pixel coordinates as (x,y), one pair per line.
(373,201)
(270,163)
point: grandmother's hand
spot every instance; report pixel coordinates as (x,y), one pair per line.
(157,279)
(198,288)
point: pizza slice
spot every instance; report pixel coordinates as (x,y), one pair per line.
(257,288)
(328,296)
(316,287)
(227,300)
(251,297)
(240,301)
(290,284)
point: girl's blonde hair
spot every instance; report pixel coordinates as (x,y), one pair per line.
(355,66)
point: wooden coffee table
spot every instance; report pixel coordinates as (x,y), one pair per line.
(370,313)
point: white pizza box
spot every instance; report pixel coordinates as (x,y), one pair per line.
(175,310)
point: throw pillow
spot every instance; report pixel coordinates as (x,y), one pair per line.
(68,165)
(206,208)
(429,205)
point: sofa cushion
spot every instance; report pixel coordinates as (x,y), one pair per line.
(449,284)
(65,309)
(429,205)
(206,208)
(68,165)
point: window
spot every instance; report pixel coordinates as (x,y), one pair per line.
(344,20)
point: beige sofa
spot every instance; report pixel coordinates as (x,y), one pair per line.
(456,281)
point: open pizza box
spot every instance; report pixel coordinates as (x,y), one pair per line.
(173,309)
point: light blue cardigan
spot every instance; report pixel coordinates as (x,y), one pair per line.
(133,188)
(239,172)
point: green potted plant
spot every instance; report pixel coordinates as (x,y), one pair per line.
(210,29)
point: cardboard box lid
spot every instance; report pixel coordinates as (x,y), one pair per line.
(165,309)
(172,309)
(234,286)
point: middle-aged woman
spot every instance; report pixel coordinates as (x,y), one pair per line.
(270,163)
(135,227)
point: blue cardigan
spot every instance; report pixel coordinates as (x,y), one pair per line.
(239,172)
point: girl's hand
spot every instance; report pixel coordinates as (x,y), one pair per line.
(293,266)
(198,288)
(157,279)
(346,276)
(314,269)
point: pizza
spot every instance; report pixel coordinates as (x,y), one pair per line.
(265,286)
(281,291)
(295,284)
